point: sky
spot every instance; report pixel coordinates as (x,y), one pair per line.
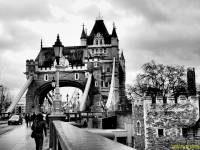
(165,31)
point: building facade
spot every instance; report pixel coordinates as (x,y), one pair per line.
(163,126)
(21,106)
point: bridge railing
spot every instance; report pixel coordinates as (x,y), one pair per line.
(66,136)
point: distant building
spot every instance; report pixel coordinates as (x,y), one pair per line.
(21,106)
(160,126)
(191,81)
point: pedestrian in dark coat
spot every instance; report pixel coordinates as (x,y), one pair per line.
(47,119)
(33,116)
(39,126)
(27,119)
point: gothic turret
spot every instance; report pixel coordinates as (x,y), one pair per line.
(99,34)
(114,38)
(83,37)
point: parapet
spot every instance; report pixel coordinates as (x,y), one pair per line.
(31,65)
(69,68)
(170,100)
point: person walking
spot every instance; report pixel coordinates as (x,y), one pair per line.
(47,120)
(27,119)
(33,116)
(38,127)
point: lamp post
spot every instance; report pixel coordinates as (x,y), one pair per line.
(67,98)
(78,105)
(58,47)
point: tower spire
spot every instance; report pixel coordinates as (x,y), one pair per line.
(41,44)
(114,33)
(83,35)
(99,17)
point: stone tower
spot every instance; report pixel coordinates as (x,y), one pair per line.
(94,56)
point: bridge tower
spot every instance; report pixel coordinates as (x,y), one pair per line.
(95,57)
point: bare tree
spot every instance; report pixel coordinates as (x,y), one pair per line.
(5,98)
(158,79)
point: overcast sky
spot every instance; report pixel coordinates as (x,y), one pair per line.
(167,31)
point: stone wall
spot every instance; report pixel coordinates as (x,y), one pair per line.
(122,118)
(171,118)
(138,116)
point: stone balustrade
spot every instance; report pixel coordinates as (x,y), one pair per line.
(66,136)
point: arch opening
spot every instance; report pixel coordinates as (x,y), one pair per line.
(44,92)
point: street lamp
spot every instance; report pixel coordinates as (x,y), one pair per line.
(67,98)
(58,47)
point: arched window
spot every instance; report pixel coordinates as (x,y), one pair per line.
(46,77)
(76,76)
(138,128)
(101,42)
(96,84)
(96,42)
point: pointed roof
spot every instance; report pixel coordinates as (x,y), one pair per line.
(83,35)
(114,33)
(100,27)
(58,42)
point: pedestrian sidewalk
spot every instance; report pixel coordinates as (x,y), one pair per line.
(20,139)
(3,121)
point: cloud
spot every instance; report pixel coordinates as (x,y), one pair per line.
(160,30)
(16,37)
(142,8)
(24,10)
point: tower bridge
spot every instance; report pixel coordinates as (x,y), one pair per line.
(97,67)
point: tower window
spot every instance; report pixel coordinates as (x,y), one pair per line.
(102,83)
(46,77)
(184,132)
(97,50)
(100,50)
(96,42)
(108,69)
(106,84)
(100,41)
(76,76)
(105,51)
(160,132)
(96,84)
(138,128)
(92,51)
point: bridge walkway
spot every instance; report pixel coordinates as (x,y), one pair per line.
(20,139)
